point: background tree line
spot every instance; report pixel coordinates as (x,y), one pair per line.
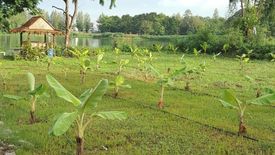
(156,24)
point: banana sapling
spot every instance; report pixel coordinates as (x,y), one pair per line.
(117,84)
(225,47)
(167,79)
(81,117)
(232,102)
(83,60)
(33,94)
(196,52)
(122,64)
(204,46)
(99,59)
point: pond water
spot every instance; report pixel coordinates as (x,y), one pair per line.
(12,41)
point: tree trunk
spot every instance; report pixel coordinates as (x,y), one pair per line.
(242,128)
(79,146)
(67,39)
(161,103)
(67,24)
(242,8)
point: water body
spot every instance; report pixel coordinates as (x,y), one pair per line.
(12,41)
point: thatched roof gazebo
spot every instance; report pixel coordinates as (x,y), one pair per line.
(37,25)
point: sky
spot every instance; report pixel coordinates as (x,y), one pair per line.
(133,7)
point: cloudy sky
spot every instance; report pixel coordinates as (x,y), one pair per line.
(133,7)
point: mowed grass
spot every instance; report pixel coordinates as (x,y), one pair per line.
(147,129)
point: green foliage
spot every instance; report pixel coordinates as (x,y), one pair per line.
(32,53)
(172,48)
(168,79)
(117,84)
(99,59)
(83,60)
(196,52)
(273,57)
(144,57)
(126,48)
(204,46)
(34,93)
(157,47)
(216,55)
(81,116)
(13,7)
(231,101)
(122,64)
(225,47)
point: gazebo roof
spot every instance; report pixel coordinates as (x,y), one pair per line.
(37,25)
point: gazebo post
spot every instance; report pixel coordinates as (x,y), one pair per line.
(45,40)
(29,37)
(21,39)
(53,41)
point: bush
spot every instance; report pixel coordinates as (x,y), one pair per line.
(125,48)
(32,53)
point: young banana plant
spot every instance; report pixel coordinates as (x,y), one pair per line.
(231,101)
(216,55)
(144,57)
(157,47)
(122,64)
(225,47)
(243,59)
(99,59)
(34,93)
(172,48)
(272,57)
(84,61)
(49,61)
(165,80)
(204,46)
(196,52)
(117,84)
(82,116)
(117,53)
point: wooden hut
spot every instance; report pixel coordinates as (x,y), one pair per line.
(37,25)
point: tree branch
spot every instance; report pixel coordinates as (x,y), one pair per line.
(74,14)
(59,9)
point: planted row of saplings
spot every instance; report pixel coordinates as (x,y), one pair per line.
(167,79)
(81,117)
(93,96)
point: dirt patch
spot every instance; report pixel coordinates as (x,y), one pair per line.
(6,149)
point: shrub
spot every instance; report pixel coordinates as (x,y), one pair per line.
(32,53)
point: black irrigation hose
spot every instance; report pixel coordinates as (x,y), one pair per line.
(202,124)
(197,122)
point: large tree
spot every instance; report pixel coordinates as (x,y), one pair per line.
(9,8)
(69,18)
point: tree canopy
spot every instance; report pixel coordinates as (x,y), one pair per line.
(12,7)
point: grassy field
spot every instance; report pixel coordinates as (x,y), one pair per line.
(182,127)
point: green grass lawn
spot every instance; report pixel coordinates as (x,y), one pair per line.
(147,129)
